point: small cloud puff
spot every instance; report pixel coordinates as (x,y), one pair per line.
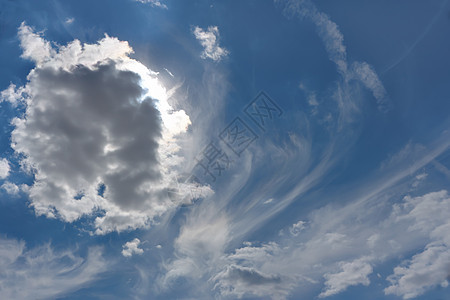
(132,247)
(297,227)
(69,20)
(10,188)
(209,40)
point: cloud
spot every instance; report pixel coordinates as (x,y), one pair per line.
(253,271)
(297,228)
(330,244)
(4,168)
(239,281)
(209,39)
(424,271)
(201,241)
(10,188)
(155,3)
(367,75)
(132,247)
(96,118)
(42,273)
(352,273)
(12,94)
(418,179)
(333,40)
(205,254)
(330,247)
(69,20)
(311,97)
(430,214)
(34,47)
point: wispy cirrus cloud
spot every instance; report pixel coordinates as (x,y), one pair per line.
(333,40)
(155,3)
(42,273)
(69,21)
(329,253)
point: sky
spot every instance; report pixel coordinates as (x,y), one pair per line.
(287,149)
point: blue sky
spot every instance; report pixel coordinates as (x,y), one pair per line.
(287,149)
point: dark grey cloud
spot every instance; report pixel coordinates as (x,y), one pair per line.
(87,126)
(251,276)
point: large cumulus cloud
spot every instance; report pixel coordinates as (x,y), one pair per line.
(98,134)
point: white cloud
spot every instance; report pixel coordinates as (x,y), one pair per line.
(421,176)
(268,201)
(37,49)
(359,225)
(429,214)
(69,20)
(424,271)
(332,247)
(4,168)
(256,254)
(132,247)
(311,97)
(331,240)
(95,116)
(155,3)
(441,168)
(425,213)
(367,75)
(41,273)
(209,39)
(11,94)
(200,243)
(419,179)
(352,273)
(256,271)
(297,228)
(238,281)
(10,188)
(333,40)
